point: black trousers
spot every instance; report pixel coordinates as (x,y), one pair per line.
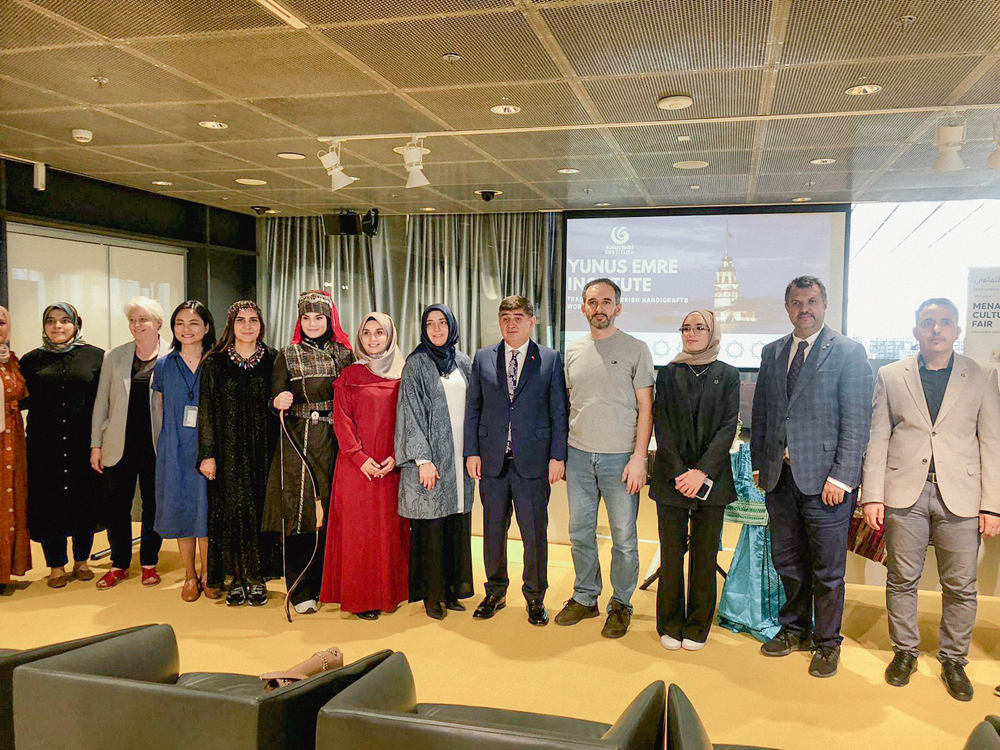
(55,549)
(441,558)
(675,617)
(298,549)
(809,550)
(137,462)
(529,499)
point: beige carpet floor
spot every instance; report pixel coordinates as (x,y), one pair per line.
(505,662)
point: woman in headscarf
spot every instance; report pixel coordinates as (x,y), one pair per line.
(63,489)
(237,433)
(15,547)
(124,430)
(302,388)
(435,490)
(695,412)
(367,543)
(181,490)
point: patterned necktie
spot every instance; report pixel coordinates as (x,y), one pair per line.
(511,385)
(796,367)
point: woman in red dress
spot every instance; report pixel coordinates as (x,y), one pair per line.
(367,543)
(15,547)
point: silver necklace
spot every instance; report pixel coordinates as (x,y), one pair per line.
(699,374)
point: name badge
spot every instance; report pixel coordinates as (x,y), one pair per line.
(190,416)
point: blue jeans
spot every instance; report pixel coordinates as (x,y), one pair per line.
(589,477)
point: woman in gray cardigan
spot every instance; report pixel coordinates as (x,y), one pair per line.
(435,491)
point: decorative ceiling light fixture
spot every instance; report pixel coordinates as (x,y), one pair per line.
(291,155)
(282,13)
(690,164)
(213,124)
(451,57)
(505,109)
(568,170)
(863,89)
(951,138)
(994,159)
(100,80)
(823,161)
(413,159)
(331,163)
(674,101)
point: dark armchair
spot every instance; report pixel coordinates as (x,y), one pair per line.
(685,730)
(380,712)
(128,693)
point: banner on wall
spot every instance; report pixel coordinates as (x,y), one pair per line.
(982,328)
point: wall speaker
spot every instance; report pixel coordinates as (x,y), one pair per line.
(369,224)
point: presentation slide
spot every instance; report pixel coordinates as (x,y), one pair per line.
(735,264)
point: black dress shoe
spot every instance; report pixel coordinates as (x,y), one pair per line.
(237,595)
(434,610)
(257,596)
(454,605)
(824,662)
(903,665)
(371,614)
(956,681)
(537,614)
(785,642)
(489,607)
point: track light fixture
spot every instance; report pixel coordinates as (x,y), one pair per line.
(951,138)
(413,159)
(331,162)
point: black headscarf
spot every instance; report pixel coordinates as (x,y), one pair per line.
(443,356)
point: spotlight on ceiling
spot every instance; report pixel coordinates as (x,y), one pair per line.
(413,159)
(950,141)
(994,159)
(331,163)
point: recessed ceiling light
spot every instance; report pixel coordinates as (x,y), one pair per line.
(505,109)
(683,138)
(801,199)
(100,80)
(451,57)
(162,183)
(250,181)
(493,193)
(568,170)
(602,205)
(428,209)
(695,187)
(213,124)
(675,101)
(272,211)
(864,89)
(691,164)
(291,155)
(823,161)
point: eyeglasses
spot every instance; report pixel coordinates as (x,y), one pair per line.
(698,329)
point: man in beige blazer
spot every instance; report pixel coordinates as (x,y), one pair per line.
(932,475)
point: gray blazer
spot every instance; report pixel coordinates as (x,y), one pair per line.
(824,422)
(107,426)
(423,432)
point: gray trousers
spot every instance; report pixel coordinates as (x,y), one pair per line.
(956,544)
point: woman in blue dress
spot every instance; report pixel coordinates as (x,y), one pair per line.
(181,490)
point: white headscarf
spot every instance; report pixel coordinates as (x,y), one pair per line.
(388,364)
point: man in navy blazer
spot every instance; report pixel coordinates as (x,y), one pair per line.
(516,429)
(811,420)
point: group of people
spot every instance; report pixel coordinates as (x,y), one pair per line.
(350,469)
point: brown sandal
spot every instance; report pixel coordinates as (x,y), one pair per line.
(208,591)
(321,661)
(57,582)
(82,574)
(191,591)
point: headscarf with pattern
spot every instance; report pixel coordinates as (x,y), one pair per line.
(319,301)
(75,340)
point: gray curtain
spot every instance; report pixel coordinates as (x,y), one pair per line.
(467,261)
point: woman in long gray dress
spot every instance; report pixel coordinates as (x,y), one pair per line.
(435,491)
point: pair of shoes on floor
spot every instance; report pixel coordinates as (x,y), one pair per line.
(254,594)
(956,682)
(825,660)
(672,644)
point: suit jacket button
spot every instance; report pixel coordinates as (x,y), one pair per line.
(933,434)
(925,460)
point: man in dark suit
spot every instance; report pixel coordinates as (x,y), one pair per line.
(515,445)
(811,419)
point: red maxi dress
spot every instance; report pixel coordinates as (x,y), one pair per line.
(367,543)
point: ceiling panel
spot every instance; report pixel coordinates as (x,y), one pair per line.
(123,19)
(368,176)
(338,11)
(264,151)
(16,96)
(480,174)
(829,30)
(848,159)
(540,103)
(227,178)
(285,62)
(483,41)
(824,132)
(987,89)
(591,168)
(144,181)
(108,130)
(511,192)
(182,119)
(69,71)
(177,157)
(660,35)
(726,93)
(349,115)
(441,149)
(921,156)
(712,136)
(79,159)
(706,185)
(595,191)
(557,144)
(812,184)
(650,166)
(21,27)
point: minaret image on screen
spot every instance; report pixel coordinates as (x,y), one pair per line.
(727,291)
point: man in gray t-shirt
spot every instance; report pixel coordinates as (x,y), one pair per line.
(609,377)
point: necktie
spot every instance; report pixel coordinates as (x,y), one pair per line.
(796,367)
(511,385)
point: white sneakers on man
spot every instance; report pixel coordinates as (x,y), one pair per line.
(671,644)
(690,645)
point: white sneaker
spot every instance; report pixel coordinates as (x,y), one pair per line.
(671,644)
(690,645)
(308,607)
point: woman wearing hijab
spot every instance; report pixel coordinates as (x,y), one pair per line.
(695,412)
(15,547)
(367,543)
(181,490)
(435,491)
(63,489)
(124,430)
(237,432)
(302,388)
